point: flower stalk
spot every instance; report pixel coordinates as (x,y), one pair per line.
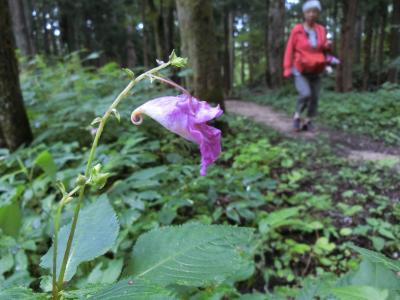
(58,282)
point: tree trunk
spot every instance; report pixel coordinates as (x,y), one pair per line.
(197,29)
(231,47)
(335,26)
(368,48)
(243,64)
(145,36)
(131,58)
(46,38)
(267,72)
(344,79)
(169,26)
(158,25)
(21,27)
(395,41)
(228,36)
(68,25)
(276,35)
(14,122)
(359,29)
(382,38)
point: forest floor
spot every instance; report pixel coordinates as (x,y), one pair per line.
(354,147)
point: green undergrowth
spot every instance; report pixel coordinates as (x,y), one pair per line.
(373,114)
(305,205)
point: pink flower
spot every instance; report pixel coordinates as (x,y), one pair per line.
(187,117)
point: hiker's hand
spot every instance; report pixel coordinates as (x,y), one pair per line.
(287,73)
(328,44)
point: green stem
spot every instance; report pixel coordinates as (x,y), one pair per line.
(55,242)
(104,119)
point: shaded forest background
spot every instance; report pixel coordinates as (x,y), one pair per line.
(247,36)
(308,201)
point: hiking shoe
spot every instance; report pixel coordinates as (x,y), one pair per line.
(309,126)
(297,124)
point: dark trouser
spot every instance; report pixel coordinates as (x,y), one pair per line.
(308,87)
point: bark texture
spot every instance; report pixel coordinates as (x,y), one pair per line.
(196,23)
(344,79)
(368,48)
(276,42)
(395,41)
(14,122)
(20,23)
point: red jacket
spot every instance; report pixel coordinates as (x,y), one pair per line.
(301,55)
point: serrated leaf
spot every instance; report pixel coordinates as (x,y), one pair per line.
(377,276)
(191,255)
(19,293)
(83,293)
(96,232)
(137,289)
(378,258)
(359,293)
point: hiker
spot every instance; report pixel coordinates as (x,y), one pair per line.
(305,59)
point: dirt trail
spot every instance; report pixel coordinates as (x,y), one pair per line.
(354,147)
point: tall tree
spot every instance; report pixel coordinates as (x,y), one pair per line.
(344,78)
(382,37)
(21,26)
(395,41)
(197,30)
(369,30)
(267,74)
(14,124)
(145,32)
(131,58)
(157,19)
(228,48)
(276,40)
(358,35)
(169,26)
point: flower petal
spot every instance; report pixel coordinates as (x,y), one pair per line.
(187,117)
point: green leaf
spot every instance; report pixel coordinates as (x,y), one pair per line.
(97,178)
(191,255)
(116,113)
(376,275)
(96,120)
(137,289)
(19,293)
(6,263)
(359,293)
(10,219)
(279,218)
(45,161)
(378,242)
(106,275)
(149,173)
(129,72)
(377,258)
(177,61)
(19,278)
(96,232)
